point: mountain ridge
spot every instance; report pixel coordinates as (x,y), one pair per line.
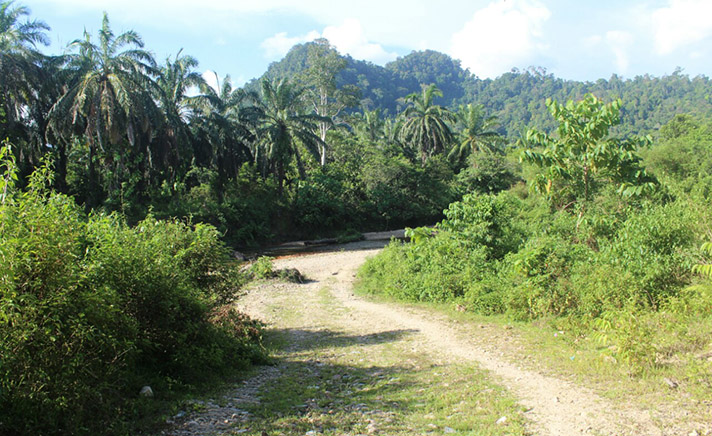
(517,97)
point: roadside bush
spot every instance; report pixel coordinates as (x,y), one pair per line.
(442,267)
(501,254)
(91,310)
(656,247)
(486,221)
(262,268)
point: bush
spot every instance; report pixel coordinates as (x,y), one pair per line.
(488,174)
(242,208)
(477,230)
(92,309)
(603,270)
(486,221)
(262,268)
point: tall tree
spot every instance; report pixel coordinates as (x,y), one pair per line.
(223,122)
(478,134)
(325,98)
(425,127)
(283,128)
(21,74)
(582,157)
(110,99)
(175,78)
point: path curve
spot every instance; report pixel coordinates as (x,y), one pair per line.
(558,408)
(554,407)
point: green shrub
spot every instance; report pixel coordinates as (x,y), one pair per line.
(656,247)
(614,269)
(262,268)
(320,205)
(241,208)
(91,310)
(485,221)
(440,265)
(487,174)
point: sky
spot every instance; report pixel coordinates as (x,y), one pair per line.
(573,39)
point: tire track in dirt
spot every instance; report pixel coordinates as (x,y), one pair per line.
(557,407)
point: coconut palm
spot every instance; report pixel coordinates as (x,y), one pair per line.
(369,125)
(20,71)
(176,77)
(109,100)
(223,120)
(478,134)
(283,128)
(425,127)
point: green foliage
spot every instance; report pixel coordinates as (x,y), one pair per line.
(706,268)
(485,221)
(683,158)
(262,268)
(399,193)
(583,157)
(488,174)
(9,171)
(425,127)
(91,310)
(442,265)
(322,203)
(477,135)
(419,234)
(612,272)
(325,98)
(242,209)
(138,144)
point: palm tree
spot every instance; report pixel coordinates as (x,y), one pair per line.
(223,121)
(425,126)
(176,78)
(369,125)
(20,71)
(283,129)
(478,134)
(110,98)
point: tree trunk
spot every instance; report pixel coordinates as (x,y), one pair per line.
(61,178)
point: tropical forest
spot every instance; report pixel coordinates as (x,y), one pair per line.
(344,248)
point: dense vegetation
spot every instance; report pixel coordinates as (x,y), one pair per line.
(597,244)
(329,151)
(123,177)
(91,310)
(516,98)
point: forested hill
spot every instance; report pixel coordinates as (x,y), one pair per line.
(517,98)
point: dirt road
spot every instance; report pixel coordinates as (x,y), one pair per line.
(339,348)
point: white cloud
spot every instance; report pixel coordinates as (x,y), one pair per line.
(500,36)
(392,22)
(681,23)
(348,38)
(620,43)
(278,45)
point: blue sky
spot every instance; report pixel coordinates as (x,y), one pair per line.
(573,39)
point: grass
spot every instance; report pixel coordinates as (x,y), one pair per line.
(341,380)
(341,387)
(547,346)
